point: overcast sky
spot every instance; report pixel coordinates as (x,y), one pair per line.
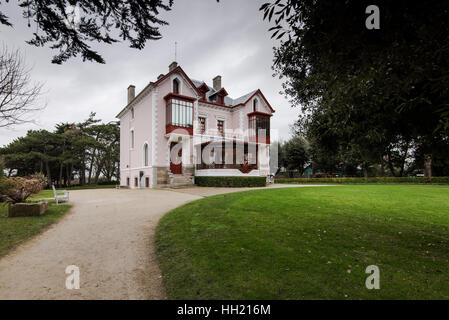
(227,38)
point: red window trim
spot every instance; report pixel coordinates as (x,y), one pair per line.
(179,96)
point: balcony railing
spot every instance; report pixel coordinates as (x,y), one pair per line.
(219,155)
(179,114)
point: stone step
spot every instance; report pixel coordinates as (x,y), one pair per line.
(181,181)
(180,186)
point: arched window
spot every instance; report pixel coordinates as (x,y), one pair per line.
(254,105)
(176,86)
(145,155)
(131,139)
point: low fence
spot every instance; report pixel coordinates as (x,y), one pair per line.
(371,180)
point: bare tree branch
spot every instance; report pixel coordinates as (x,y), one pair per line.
(19,96)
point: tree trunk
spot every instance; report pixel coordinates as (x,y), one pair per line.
(428,166)
(97,174)
(69,175)
(83,170)
(365,171)
(60,174)
(47,168)
(390,164)
(382,169)
(92,161)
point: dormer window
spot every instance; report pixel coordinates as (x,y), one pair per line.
(203,89)
(220,96)
(176,86)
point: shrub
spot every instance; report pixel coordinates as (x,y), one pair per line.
(104,182)
(40,177)
(380,180)
(231,182)
(15,190)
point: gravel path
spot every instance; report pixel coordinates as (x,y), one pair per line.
(109,235)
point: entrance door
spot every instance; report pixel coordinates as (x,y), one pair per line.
(176,158)
(147,182)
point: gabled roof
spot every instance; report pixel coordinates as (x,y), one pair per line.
(250,96)
(243,99)
(155,84)
(196,85)
(221,92)
(229,102)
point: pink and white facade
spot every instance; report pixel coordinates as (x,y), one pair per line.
(177,128)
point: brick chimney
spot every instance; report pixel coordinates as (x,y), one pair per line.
(131,93)
(172,66)
(217,83)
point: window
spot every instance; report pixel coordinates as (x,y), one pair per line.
(259,126)
(132,113)
(176,86)
(127,181)
(220,127)
(136,182)
(220,100)
(180,113)
(202,122)
(145,155)
(254,105)
(131,142)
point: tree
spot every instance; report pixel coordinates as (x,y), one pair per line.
(297,154)
(18,94)
(368,94)
(87,151)
(70,25)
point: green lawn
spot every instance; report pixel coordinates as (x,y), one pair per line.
(13,231)
(309,243)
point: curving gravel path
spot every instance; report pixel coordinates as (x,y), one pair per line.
(109,235)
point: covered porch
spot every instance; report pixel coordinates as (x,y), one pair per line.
(227,158)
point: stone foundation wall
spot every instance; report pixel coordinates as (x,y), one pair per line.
(27,209)
(162,178)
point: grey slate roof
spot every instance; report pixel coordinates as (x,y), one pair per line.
(229,102)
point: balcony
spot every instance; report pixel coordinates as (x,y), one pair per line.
(259,127)
(179,114)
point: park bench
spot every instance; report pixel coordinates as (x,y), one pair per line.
(60,195)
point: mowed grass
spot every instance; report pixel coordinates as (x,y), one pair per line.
(309,243)
(14,231)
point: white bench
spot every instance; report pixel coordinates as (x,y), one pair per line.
(60,195)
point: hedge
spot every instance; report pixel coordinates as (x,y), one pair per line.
(380,180)
(231,182)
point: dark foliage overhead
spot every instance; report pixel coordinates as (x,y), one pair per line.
(103,21)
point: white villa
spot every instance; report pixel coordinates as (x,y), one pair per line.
(177,128)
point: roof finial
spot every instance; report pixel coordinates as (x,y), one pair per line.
(176,51)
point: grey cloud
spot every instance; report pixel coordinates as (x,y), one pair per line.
(227,38)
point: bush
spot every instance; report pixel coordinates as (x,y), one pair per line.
(231,182)
(380,180)
(104,182)
(16,190)
(41,177)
